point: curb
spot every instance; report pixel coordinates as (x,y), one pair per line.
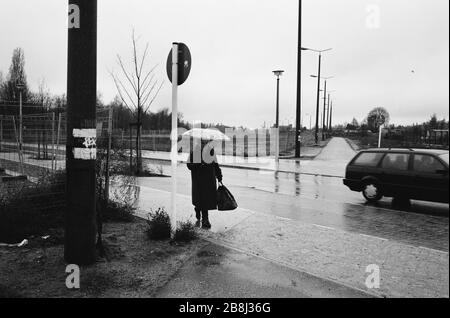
(351,145)
(256,169)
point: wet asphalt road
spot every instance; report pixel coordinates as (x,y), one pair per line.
(325,201)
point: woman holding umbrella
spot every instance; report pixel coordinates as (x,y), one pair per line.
(204,171)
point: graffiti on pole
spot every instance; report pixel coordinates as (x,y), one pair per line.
(85,144)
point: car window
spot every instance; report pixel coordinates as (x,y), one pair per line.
(427,164)
(396,161)
(368,159)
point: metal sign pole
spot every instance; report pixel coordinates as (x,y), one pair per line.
(174,136)
(380,130)
(379,136)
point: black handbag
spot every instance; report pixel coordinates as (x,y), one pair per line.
(225,200)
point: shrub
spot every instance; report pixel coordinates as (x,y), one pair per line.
(186,232)
(31,209)
(159,227)
(121,212)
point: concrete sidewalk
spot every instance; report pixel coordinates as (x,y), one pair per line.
(327,254)
(219,272)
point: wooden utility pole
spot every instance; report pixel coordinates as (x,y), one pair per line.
(81,226)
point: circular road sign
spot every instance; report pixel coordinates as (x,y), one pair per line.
(184,63)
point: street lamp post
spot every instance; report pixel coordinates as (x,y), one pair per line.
(324,122)
(331,116)
(327,121)
(298,125)
(278,74)
(324,110)
(316,135)
(328,113)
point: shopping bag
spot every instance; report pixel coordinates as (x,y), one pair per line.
(225,200)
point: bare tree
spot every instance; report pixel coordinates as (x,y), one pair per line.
(138,89)
(43,96)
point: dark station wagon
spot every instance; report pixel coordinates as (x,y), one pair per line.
(400,173)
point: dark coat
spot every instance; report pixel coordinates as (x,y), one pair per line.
(204,185)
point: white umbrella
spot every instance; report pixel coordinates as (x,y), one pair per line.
(206,134)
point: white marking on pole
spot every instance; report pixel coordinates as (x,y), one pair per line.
(174,136)
(85,133)
(90,144)
(85,153)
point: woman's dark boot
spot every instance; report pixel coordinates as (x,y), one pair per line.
(205,220)
(198,216)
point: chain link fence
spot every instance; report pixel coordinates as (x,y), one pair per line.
(32,171)
(39,147)
(242,142)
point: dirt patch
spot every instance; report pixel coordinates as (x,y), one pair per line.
(133,266)
(207,257)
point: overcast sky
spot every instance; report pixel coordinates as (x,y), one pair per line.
(401,64)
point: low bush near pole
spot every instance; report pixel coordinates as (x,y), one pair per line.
(185,233)
(159,227)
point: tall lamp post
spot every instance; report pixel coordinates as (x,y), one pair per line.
(278,74)
(316,135)
(324,122)
(331,116)
(298,125)
(329,113)
(327,120)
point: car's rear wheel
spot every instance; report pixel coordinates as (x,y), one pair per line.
(372,191)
